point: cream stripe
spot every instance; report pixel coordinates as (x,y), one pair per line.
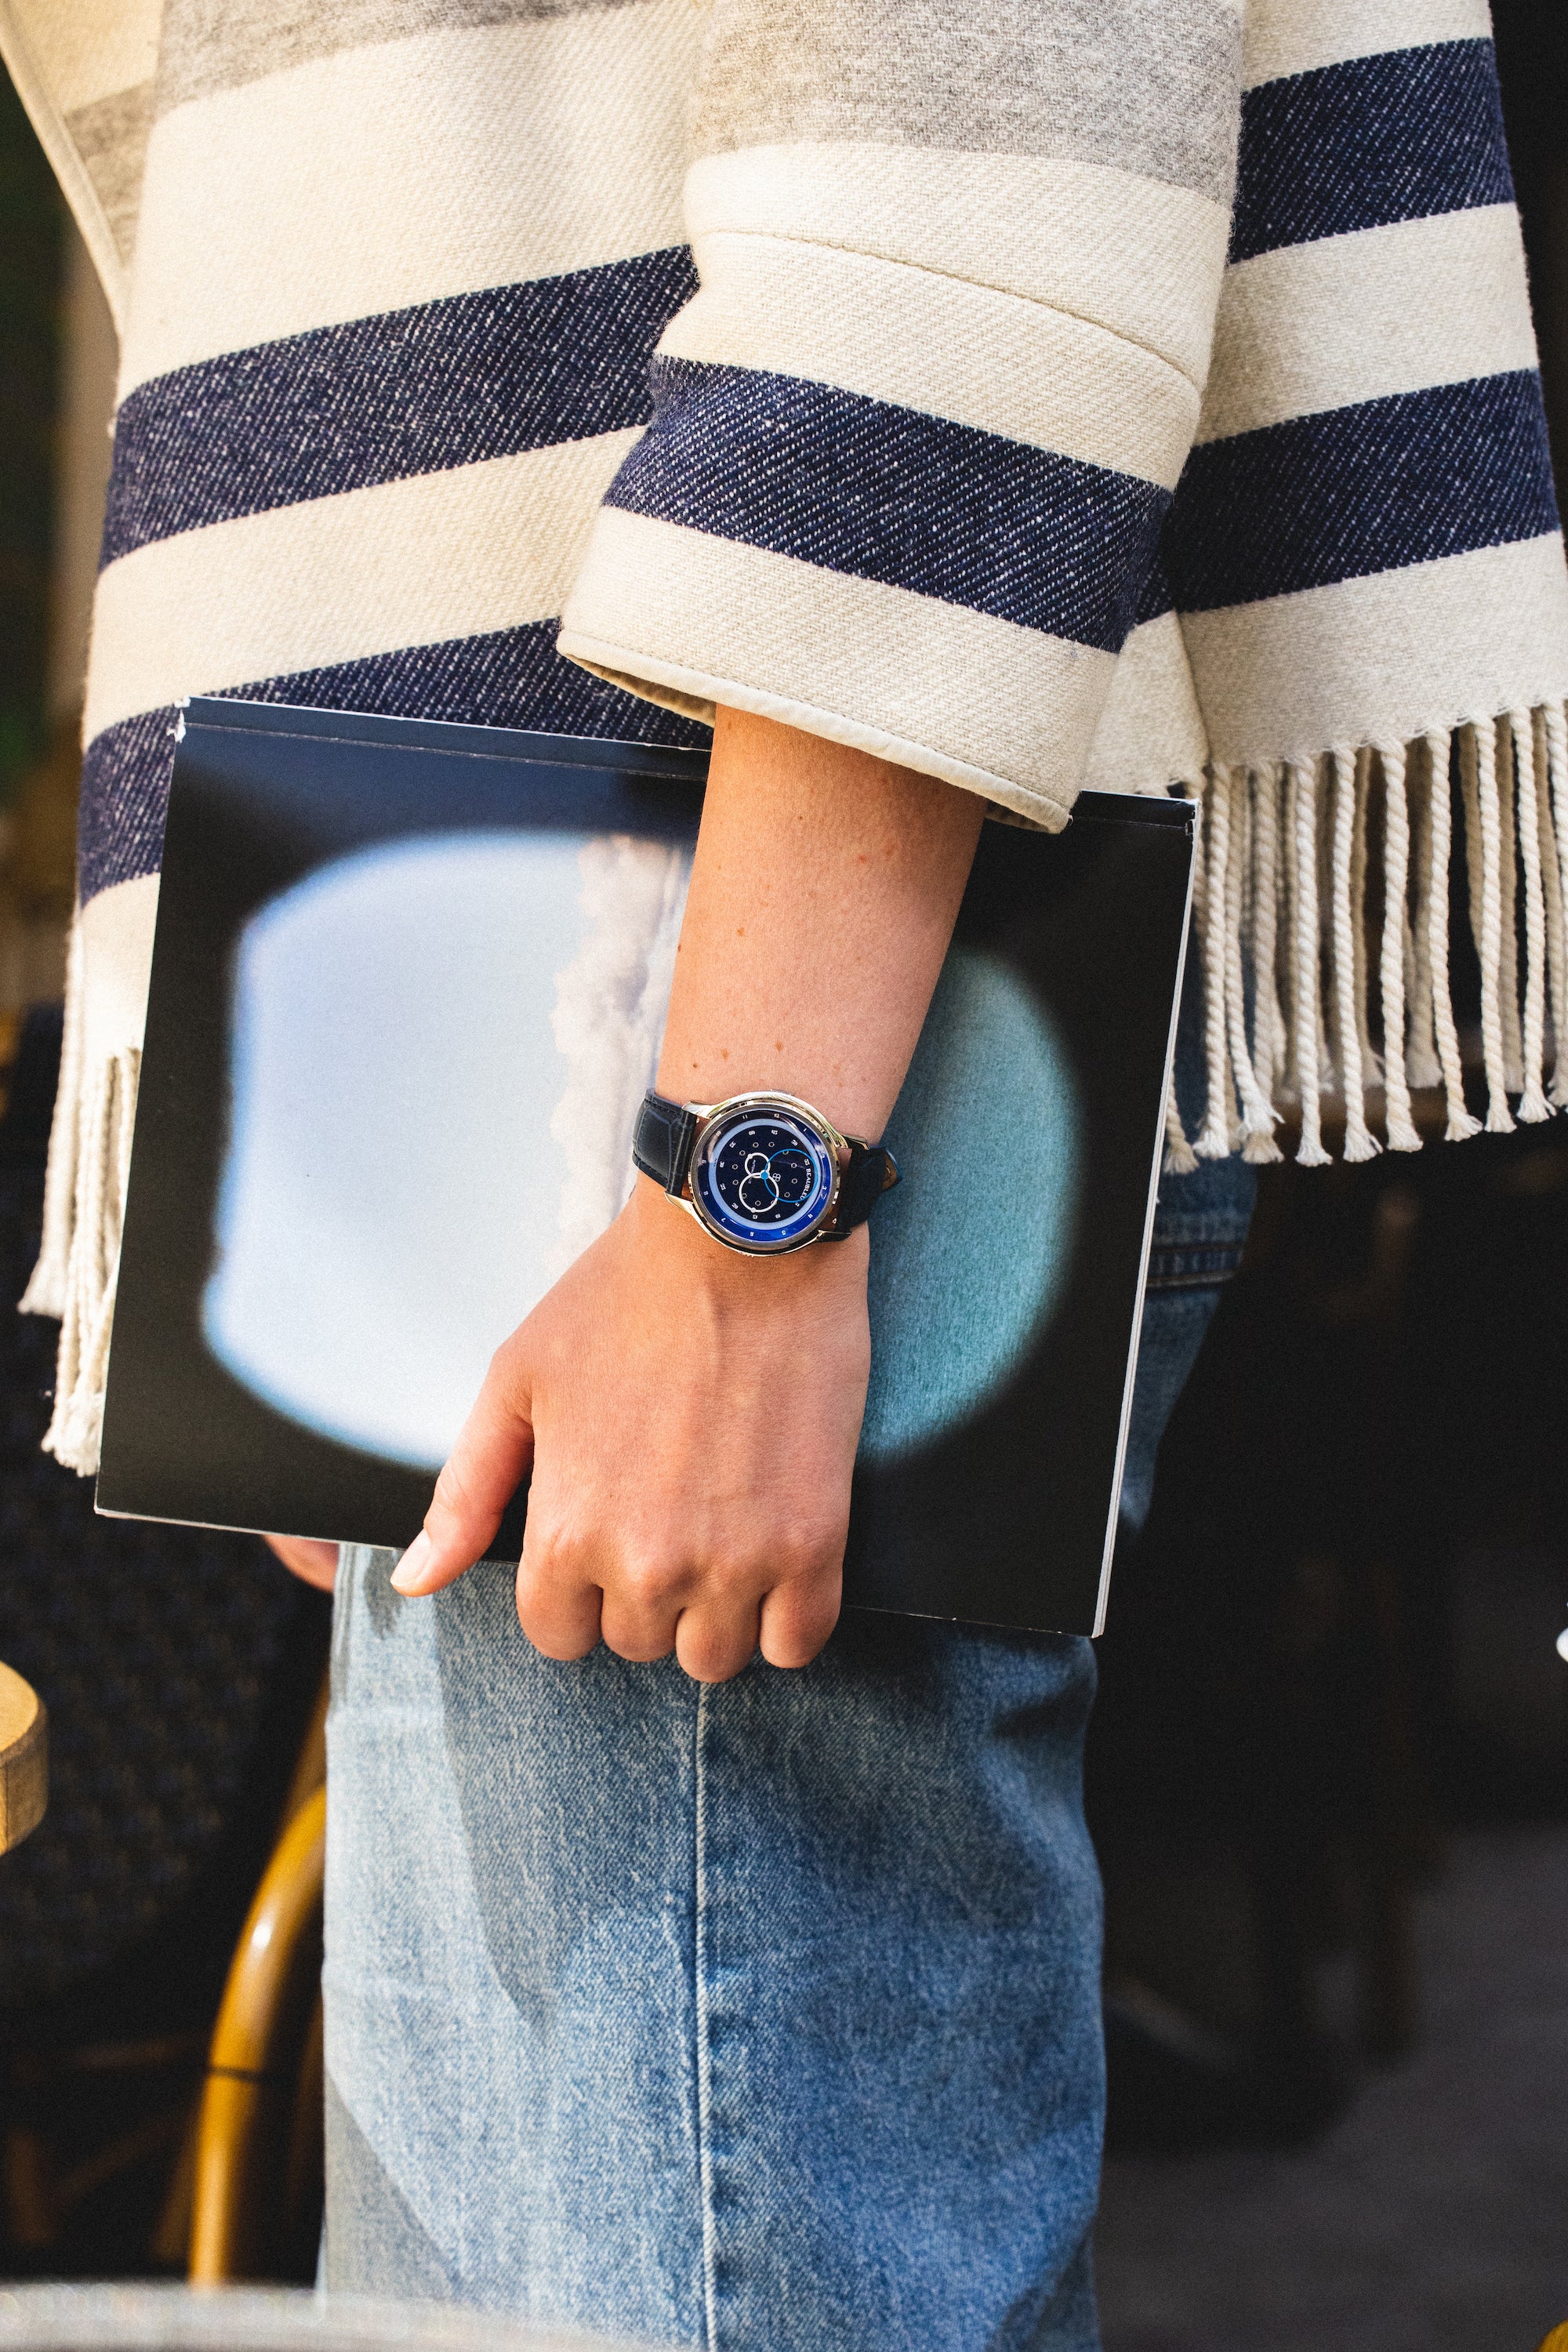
(1389,658)
(1290,36)
(90,51)
(412,563)
(1000,709)
(905,335)
(1137,256)
(117,957)
(420,168)
(1151,733)
(1434,302)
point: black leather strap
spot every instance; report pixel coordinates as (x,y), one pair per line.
(662,1140)
(871,1172)
(665,1130)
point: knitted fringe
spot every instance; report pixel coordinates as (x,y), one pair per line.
(84,1215)
(1296,858)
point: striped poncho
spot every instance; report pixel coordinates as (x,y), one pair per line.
(1038,393)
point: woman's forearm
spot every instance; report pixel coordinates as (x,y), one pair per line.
(822,900)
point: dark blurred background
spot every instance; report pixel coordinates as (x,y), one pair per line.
(1329,1768)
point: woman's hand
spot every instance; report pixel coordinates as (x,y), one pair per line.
(691,1416)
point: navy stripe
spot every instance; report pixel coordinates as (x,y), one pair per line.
(1155,596)
(408,392)
(895,495)
(124,799)
(512,677)
(1357,490)
(1395,137)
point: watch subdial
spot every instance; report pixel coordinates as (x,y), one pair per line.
(758,1192)
(793,1175)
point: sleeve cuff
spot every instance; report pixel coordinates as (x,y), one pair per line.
(689,620)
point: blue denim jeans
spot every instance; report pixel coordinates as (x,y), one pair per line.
(763,2018)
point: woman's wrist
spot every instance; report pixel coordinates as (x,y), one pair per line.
(821,901)
(822,1269)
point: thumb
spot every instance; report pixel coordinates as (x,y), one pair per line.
(493,1454)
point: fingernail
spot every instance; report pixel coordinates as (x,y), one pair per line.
(415,1564)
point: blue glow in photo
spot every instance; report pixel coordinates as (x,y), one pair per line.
(970,1254)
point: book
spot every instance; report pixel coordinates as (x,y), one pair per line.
(407,987)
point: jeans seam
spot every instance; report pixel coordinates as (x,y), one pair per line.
(704,2072)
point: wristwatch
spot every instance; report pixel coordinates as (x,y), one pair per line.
(762,1173)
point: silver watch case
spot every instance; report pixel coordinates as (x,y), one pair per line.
(712,1116)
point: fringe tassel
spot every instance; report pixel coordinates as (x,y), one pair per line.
(1370,1060)
(46,1291)
(1508,904)
(1423,1065)
(1402,1135)
(1181,1160)
(1549,772)
(1348,958)
(1215,1141)
(1270,1044)
(1520,734)
(1307,961)
(1462,1124)
(1481,744)
(1286,889)
(1257,1114)
(102,1157)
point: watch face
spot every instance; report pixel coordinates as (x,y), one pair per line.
(763,1177)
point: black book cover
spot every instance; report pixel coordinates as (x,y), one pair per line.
(406,989)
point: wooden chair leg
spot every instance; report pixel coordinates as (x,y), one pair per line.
(248,2099)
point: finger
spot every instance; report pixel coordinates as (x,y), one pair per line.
(799,1617)
(313,1562)
(641,1611)
(483,1471)
(714,1643)
(557,1605)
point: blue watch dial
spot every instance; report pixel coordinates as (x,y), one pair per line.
(762,1178)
